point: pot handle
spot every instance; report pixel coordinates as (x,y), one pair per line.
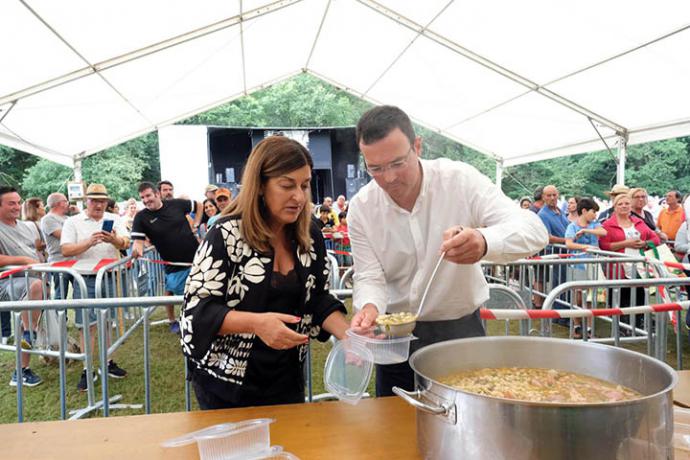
(414,399)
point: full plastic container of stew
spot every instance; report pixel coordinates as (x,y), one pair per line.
(385,350)
(248,439)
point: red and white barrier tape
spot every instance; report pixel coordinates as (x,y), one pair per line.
(556,314)
(100,264)
(557,256)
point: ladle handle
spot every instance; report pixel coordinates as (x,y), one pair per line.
(428,284)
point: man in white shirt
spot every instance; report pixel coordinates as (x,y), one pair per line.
(84,239)
(403,220)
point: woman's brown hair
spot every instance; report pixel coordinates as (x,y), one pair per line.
(272,157)
(31,206)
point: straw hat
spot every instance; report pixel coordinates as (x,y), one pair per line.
(617,189)
(97,191)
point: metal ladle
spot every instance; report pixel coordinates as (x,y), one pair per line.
(406,328)
(428,285)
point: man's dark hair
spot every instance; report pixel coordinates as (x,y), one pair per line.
(164,182)
(378,122)
(147,185)
(585,204)
(538,193)
(5,189)
(677,193)
(324,209)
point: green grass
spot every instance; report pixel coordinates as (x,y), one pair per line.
(167,374)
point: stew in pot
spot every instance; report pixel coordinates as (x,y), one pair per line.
(539,385)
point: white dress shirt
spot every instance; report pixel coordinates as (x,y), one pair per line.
(395,251)
(81,227)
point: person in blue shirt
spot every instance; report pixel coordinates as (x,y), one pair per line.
(581,235)
(555,223)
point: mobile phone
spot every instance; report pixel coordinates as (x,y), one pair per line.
(108,225)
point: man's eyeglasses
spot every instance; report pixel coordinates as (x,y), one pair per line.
(640,197)
(393,165)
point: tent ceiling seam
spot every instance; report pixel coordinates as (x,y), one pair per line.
(532,86)
(204,108)
(148,50)
(419,31)
(32,144)
(318,35)
(619,55)
(9,109)
(244,62)
(83,58)
(426,125)
(487,63)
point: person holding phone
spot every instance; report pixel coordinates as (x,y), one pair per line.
(90,237)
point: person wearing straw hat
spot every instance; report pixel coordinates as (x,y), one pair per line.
(430,208)
(87,238)
(616,190)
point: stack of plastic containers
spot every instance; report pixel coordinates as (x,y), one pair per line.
(249,439)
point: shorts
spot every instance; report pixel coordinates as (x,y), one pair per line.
(579,275)
(175,281)
(90,281)
(14,288)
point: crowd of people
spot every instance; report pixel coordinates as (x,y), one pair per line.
(630,225)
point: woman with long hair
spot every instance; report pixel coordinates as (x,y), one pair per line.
(258,287)
(211,209)
(34,210)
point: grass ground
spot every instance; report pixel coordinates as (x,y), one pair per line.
(167,374)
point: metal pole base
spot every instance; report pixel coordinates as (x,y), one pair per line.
(79,413)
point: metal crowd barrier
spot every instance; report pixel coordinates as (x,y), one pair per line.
(655,333)
(44,274)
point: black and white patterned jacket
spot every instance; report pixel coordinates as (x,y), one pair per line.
(227,274)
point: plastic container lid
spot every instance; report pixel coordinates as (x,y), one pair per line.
(348,370)
(245,439)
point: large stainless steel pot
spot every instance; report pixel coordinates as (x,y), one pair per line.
(453,424)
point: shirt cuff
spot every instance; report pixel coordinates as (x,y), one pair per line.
(494,238)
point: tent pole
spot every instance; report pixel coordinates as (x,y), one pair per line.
(622,152)
(499,173)
(77,170)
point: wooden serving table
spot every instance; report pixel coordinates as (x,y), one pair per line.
(681,393)
(374,429)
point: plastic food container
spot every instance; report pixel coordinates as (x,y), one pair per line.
(248,439)
(384,350)
(348,370)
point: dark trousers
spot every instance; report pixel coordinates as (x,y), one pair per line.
(210,400)
(626,301)
(428,332)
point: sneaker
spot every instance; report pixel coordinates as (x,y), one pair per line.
(175,327)
(577,332)
(27,342)
(115,371)
(5,340)
(29,379)
(81,386)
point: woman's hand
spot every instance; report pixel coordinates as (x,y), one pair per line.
(271,329)
(636,244)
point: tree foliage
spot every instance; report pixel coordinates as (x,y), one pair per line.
(305,101)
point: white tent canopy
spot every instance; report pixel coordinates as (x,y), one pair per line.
(519,81)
